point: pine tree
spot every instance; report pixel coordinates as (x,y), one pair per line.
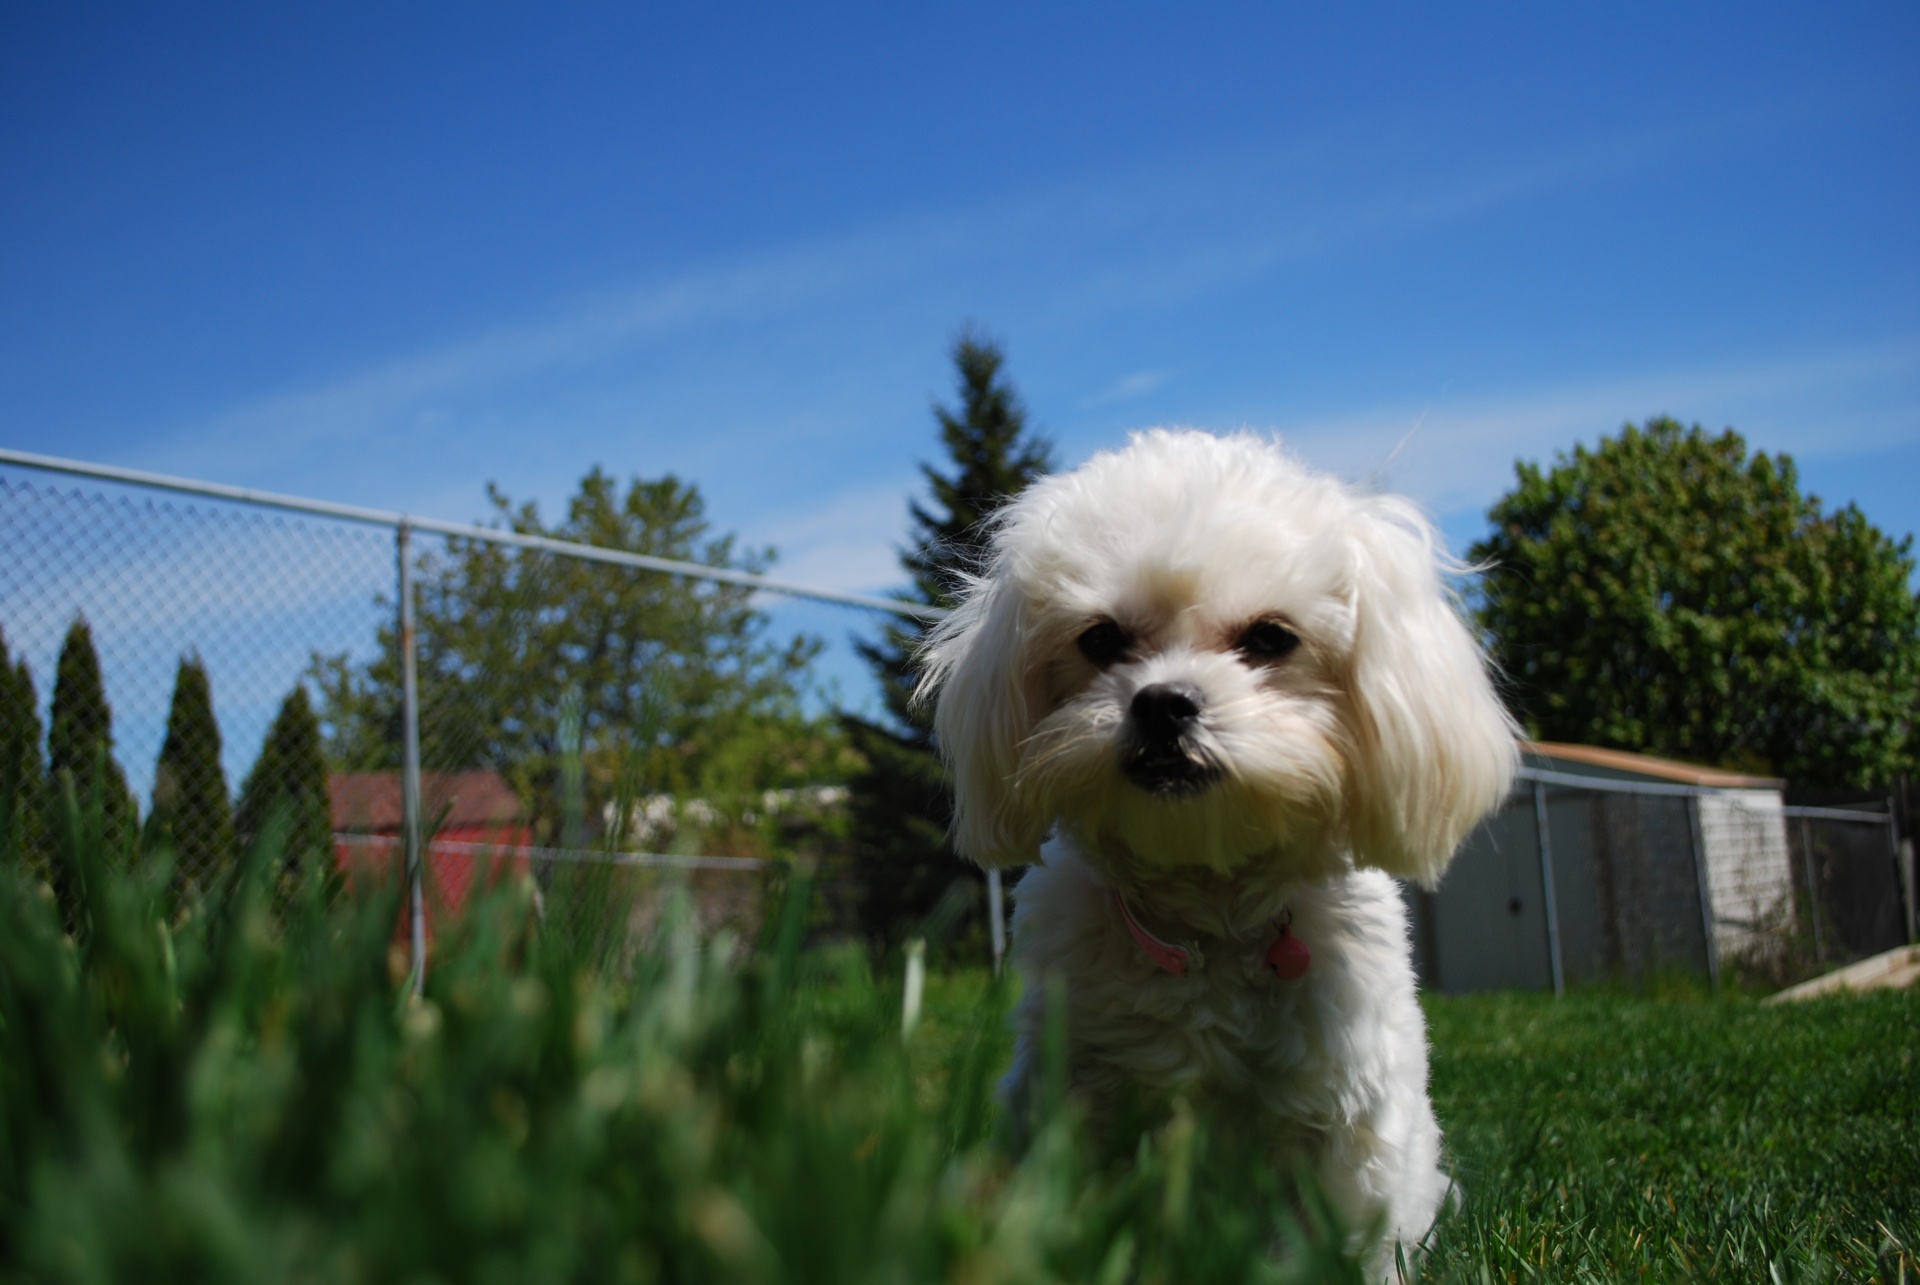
(80,739)
(192,812)
(902,800)
(23,773)
(291,772)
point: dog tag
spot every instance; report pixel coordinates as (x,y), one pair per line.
(1289,957)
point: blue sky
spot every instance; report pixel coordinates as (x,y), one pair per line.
(383,254)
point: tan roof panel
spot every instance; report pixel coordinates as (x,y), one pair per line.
(1647,765)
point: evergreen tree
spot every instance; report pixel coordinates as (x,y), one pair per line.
(80,739)
(902,799)
(291,772)
(22,771)
(192,812)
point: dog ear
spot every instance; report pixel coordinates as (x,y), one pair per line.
(975,665)
(1435,749)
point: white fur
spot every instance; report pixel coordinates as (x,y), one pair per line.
(1368,751)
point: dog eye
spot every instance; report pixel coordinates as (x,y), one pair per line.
(1104,643)
(1267,640)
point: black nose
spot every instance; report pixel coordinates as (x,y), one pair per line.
(1165,711)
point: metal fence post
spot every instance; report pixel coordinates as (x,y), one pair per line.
(996,918)
(410,762)
(1899,867)
(1813,888)
(1696,828)
(1907,889)
(1901,808)
(1546,888)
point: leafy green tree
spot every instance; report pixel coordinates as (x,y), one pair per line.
(192,813)
(291,773)
(1670,593)
(80,737)
(902,799)
(682,689)
(23,773)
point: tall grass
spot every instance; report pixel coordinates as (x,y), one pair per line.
(243,1089)
(246,1091)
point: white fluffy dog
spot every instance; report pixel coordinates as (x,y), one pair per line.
(1221,700)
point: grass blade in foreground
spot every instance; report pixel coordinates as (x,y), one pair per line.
(242,1090)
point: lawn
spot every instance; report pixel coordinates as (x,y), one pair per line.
(1606,1136)
(1610,1137)
(244,1089)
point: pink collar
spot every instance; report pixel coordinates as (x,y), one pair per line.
(1288,956)
(1171,958)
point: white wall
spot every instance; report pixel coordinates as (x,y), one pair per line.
(1744,836)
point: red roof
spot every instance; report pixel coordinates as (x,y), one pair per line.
(369,802)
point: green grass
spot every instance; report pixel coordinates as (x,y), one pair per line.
(1610,1137)
(245,1090)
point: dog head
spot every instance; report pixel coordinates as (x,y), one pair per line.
(1195,652)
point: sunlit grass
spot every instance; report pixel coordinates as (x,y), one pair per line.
(246,1090)
(1614,1137)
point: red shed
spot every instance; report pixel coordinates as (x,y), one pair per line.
(472,818)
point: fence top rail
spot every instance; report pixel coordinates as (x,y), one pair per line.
(1543,776)
(459,530)
(1859,816)
(519,851)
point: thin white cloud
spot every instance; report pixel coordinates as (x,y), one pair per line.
(418,387)
(1463,451)
(1127,388)
(1452,455)
(850,543)
(1164,230)
(1242,219)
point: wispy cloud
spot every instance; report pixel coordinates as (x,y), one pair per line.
(1463,451)
(1167,229)
(847,543)
(413,389)
(1127,388)
(1450,454)
(1222,220)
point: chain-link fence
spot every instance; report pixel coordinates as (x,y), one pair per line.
(1581,879)
(413,700)
(1571,880)
(1850,877)
(446,705)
